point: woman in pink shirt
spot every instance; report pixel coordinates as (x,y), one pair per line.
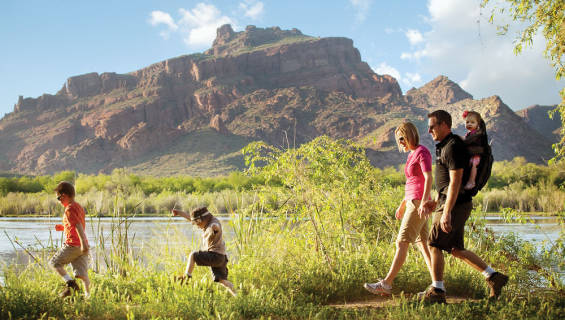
(414,229)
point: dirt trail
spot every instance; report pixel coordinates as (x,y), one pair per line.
(391,301)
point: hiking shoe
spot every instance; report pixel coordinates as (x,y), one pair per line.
(433,295)
(378,288)
(182,279)
(71,287)
(495,282)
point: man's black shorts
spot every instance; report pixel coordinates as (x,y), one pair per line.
(216,261)
(447,241)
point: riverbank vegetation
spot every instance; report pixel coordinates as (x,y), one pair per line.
(318,226)
(516,184)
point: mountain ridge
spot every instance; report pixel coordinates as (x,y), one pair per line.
(268,84)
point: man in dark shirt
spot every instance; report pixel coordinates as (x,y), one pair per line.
(453,210)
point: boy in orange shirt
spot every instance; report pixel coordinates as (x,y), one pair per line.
(75,249)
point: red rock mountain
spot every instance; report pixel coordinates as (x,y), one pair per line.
(192,114)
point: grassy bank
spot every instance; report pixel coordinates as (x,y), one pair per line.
(330,229)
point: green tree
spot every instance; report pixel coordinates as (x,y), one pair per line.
(549,16)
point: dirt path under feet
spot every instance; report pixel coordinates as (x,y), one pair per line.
(375,301)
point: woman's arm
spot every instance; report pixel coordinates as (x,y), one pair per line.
(424,210)
(400,211)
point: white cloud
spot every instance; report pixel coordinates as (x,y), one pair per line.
(412,79)
(361,8)
(253,10)
(197,26)
(200,24)
(416,55)
(464,46)
(160,17)
(384,68)
(409,79)
(414,36)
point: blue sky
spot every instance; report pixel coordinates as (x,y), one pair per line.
(45,42)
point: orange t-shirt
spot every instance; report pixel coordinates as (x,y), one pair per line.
(74,214)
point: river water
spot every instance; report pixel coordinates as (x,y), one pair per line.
(34,233)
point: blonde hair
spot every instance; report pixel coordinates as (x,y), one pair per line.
(410,134)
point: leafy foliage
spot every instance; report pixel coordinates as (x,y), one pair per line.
(549,16)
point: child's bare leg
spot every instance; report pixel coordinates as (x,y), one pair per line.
(61,271)
(190,264)
(228,286)
(86,282)
(471,183)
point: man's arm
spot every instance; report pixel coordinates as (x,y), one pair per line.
(455,177)
(82,237)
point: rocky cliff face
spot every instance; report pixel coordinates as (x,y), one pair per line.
(271,84)
(537,117)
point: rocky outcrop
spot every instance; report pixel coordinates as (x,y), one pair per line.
(218,124)
(92,84)
(229,42)
(537,117)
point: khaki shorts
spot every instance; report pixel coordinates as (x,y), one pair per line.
(413,228)
(73,255)
(454,239)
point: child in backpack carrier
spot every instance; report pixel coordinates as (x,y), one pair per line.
(476,141)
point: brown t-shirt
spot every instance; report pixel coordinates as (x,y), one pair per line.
(212,239)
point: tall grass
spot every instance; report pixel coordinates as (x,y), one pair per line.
(102,202)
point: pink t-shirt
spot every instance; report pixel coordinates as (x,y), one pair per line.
(419,161)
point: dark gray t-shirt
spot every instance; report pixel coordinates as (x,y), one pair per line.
(451,154)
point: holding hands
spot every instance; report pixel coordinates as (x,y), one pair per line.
(426,207)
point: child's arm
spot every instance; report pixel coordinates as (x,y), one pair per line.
(180,213)
(82,237)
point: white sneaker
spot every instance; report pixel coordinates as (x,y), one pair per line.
(378,288)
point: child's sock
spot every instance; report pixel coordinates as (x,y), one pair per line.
(438,284)
(385,285)
(67,277)
(488,272)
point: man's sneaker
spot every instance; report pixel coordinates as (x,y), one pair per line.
(378,288)
(432,295)
(495,282)
(71,287)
